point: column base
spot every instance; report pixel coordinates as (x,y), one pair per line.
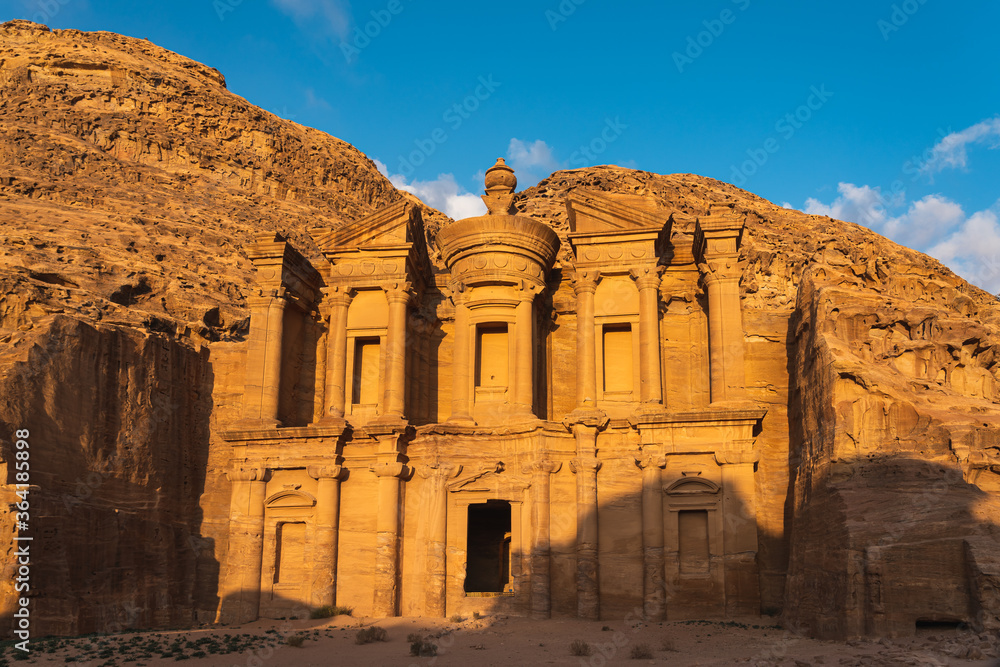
(462,420)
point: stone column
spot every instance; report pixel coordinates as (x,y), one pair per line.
(336,356)
(324,579)
(648,281)
(435,580)
(398,295)
(386,598)
(461,381)
(541,593)
(260,400)
(740,529)
(241,594)
(654,591)
(725,329)
(585,287)
(586,465)
(524,325)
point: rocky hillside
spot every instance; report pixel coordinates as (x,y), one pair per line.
(130,182)
(131,179)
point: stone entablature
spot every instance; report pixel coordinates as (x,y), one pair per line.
(438,476)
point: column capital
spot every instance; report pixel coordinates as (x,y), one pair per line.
(456,291)
(542,467)
(265,298)
(585,464)
(338,295)
(325,472)
(390,469)
(585,281)
(527,291)
(720,269)
(651,461)
(439,472)
(647,277)
(583,420)
(740,452)
(248,474)
(397,291)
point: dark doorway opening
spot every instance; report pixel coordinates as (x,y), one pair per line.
(927,626)
(488,548)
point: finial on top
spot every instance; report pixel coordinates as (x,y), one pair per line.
(500,185)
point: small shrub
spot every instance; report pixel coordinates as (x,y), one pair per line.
(423,649)
(476,615)
(295,640)
(579,648)
(370,635)
(667,645)
(641,652)
(456,619)
(606,628)
(329,611)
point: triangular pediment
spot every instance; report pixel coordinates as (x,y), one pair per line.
(592,212)
(393,225)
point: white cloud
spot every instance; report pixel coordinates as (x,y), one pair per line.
(531,161)
(973,250)
(925,222)
(523,155)
(443,193)
(331,16)
(952,151)
(864,205)
(969,245)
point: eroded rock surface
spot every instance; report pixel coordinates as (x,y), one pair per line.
(131,181)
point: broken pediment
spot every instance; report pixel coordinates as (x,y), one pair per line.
(592,212)
(393,225)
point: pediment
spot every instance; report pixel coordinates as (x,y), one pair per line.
(490,477)
(288,498)
(592,212)
(393,225)
(688,486)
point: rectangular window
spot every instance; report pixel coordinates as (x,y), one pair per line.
(491,355)
(618,368)
(366,371)
(289,557)
(692,532)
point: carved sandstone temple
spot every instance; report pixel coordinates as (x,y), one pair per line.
(425,442)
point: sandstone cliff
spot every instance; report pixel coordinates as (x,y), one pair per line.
(130,181)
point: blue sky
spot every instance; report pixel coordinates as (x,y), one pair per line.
(884,113)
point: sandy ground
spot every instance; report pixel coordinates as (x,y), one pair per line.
(505,642)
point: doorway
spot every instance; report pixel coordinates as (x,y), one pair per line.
(488,548)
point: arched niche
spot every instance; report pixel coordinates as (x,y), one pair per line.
(290,499)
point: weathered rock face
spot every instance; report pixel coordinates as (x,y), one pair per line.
(131,179)
(132,183)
